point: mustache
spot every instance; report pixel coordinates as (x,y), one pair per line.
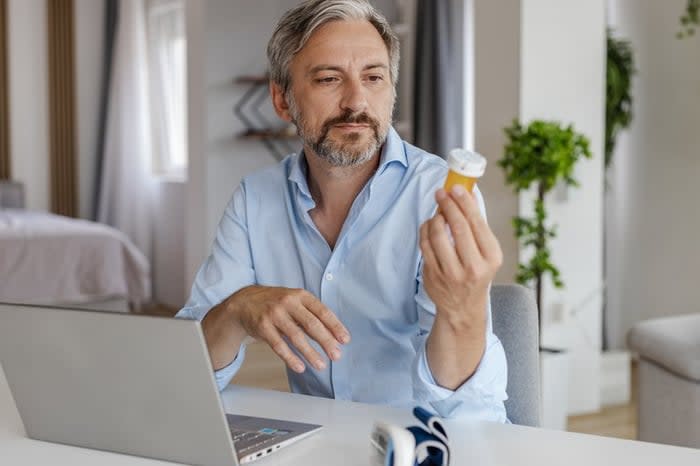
(349,118)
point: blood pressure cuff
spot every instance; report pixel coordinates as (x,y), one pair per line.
(432,447)
(425,444)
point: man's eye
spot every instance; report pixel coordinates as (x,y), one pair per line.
(327,80)
(375,78)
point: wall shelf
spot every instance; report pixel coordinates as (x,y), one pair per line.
(268,134)
(251,80)
(277,138)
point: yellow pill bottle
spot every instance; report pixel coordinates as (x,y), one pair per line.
(465,168)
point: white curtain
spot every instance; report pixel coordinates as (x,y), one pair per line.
(126,191)
(166,41)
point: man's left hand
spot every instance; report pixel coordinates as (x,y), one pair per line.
(456,276)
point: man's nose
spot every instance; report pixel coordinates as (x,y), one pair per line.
(354,97)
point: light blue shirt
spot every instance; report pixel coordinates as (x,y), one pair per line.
(371,280)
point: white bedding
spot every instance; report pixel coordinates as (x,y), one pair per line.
(51,259)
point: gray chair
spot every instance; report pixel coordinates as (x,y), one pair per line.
(668,379)
(11,194)
(514,317)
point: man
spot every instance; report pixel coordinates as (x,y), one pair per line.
(336,257)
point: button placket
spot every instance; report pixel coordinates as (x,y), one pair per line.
(329,290)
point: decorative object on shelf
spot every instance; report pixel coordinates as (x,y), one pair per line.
(542,153)
(277,138)
(690,19)
(618,102)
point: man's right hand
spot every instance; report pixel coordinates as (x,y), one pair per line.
(272,314)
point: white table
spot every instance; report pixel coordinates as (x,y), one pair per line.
(344,439)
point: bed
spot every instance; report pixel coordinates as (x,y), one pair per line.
(50,259)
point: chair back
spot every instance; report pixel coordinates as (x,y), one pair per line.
(514,318)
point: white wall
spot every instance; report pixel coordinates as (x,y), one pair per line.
(28,96)
(563,78)
(496,104)
(654,218)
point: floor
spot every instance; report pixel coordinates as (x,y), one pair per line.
(264,369)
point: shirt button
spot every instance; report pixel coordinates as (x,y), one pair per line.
(329,276)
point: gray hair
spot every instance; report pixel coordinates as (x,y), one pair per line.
(298,24)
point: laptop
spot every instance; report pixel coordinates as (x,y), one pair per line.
(130,384)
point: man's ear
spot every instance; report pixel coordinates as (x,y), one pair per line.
(279,101)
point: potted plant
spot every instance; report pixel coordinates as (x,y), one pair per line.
(541,155)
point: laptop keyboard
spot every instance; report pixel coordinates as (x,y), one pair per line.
(247,441)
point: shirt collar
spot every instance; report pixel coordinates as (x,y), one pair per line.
(393,151)
(298,171)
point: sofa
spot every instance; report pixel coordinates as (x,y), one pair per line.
(668,379)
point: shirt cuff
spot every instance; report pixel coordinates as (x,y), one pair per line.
(480,397)
(193,312)
(224,375)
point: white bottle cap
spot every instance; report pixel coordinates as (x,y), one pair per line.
(466,163)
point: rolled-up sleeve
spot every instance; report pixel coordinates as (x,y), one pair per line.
(482,396)
(228,268)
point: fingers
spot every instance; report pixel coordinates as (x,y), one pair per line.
(481,239)
(298,339)
(442,247)
(316,330)
(326,318)
(485,239)
(292,318)
(451,208)
(280,347)
(430,262)
(322,325)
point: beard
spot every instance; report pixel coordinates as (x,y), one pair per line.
(349,151)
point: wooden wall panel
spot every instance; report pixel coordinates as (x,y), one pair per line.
(62,113)
(5,172)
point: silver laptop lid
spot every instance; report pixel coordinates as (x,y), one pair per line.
(123,383)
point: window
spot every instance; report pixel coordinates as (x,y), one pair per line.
(167,82)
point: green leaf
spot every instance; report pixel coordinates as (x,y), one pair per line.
(618,102)
(690,19)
